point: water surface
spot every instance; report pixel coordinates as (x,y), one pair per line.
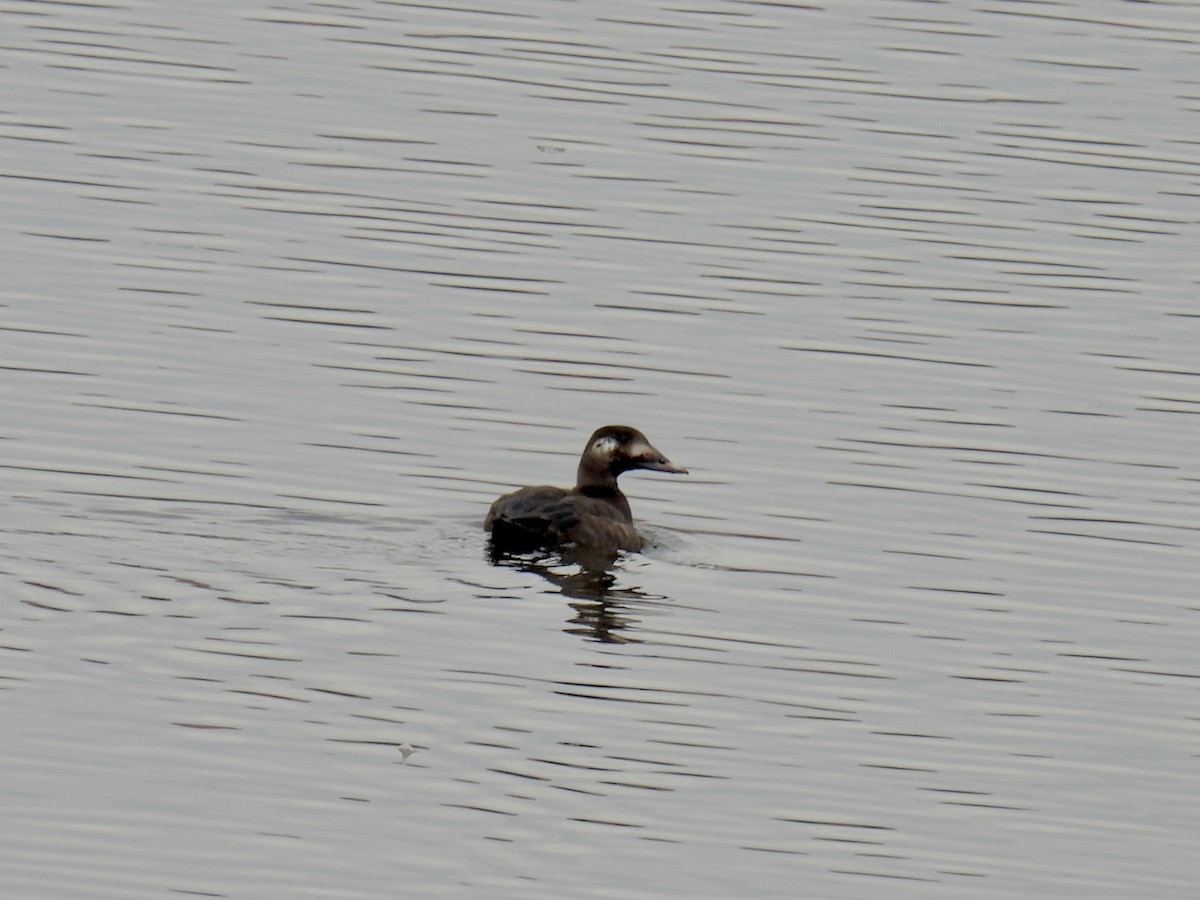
(293,291)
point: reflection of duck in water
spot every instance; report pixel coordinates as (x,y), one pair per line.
(593,514)
(602,610)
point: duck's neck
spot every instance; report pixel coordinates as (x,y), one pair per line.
(602,485)
(595,481)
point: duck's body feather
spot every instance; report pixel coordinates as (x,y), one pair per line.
(547,516)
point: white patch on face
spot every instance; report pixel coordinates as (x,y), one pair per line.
(606,445)
(640,449)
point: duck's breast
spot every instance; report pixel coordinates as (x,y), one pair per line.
(602,526)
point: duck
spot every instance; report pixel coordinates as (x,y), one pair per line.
(592,514)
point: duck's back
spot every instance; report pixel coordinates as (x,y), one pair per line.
(547,516)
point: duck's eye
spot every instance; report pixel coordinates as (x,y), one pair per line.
(606,445)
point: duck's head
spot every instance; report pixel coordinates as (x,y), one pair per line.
(614,449)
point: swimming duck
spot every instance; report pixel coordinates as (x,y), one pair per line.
(594,513)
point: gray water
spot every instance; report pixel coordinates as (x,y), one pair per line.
(292,291)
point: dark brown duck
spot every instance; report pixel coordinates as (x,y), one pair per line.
(594,513)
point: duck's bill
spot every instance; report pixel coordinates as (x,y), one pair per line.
(662,464)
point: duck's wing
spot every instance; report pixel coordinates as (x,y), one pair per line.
(528,518)
(523,503)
